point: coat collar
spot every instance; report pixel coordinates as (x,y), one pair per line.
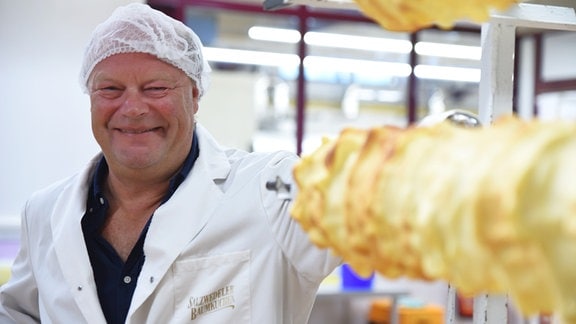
(181,218)
(212,155)
(69,244)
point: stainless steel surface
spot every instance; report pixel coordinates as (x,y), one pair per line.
(457,117)
(464,119)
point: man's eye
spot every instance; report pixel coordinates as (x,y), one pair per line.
(156,91)
(109,92)
(110,89)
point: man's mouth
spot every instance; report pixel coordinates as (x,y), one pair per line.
(137,131)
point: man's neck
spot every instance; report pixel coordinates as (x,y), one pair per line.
(135,193)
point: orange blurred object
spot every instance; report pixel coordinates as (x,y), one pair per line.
(465,305)
(428,314)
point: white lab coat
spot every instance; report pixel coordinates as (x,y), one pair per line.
(223,249)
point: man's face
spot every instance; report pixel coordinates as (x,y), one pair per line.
(142,112)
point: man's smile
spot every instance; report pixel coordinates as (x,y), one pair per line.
(137,130)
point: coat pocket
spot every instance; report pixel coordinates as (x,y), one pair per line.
(213,289)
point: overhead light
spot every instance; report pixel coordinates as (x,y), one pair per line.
(358,42)
(448,50)
(281,35)
(226,55)
(291,36)
(377,44)
(447,73)
(341,65)
(336,64)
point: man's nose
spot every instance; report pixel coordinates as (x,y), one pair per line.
(133,104)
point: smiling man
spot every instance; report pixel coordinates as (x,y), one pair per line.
(165,225)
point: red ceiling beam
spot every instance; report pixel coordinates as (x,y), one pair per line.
(175,5)
(216,4)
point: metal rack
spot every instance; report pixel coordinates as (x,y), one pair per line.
(498,38)
(496,92)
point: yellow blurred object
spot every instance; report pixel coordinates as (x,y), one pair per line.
(490,210)
(412,15)
(428,314)
(4,273)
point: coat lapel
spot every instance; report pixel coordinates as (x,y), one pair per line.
(177,222)
(70,247)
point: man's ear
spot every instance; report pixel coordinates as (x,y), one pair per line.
(195,98)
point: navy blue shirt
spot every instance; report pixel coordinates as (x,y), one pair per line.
(115,279)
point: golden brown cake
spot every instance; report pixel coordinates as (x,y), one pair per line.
(412,15)
(490,210)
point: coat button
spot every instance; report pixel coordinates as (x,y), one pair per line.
(127,279)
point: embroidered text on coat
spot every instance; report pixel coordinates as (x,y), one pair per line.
(219,299)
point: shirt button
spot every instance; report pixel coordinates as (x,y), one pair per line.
(101,201)
(127,279)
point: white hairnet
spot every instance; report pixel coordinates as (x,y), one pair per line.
(137,28)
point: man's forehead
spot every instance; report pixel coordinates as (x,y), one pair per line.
(137,63)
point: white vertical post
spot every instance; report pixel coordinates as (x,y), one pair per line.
(497,71)
(496,95)
(495,100)
(451,305)
(490,309)
(480,308)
